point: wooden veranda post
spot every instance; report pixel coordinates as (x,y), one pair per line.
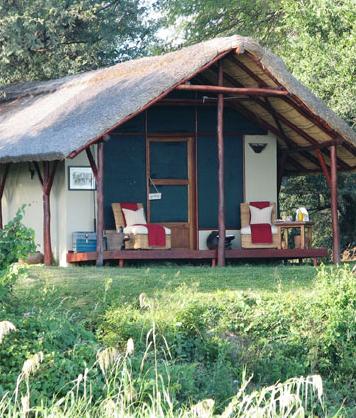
(221,202)
(2,187)
(100,205)
(334,214)
(46,181)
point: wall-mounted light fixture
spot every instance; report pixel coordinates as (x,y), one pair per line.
(257,148)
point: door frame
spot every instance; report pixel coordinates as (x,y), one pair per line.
(190,182)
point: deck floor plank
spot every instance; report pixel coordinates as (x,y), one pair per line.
(185,254)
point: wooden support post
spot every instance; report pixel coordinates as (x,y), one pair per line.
(324,167)
(2,187)
(92,163)
(334,213)
(46,180)
(100,205)
(221,203)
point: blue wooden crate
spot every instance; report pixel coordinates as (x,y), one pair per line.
(84,242)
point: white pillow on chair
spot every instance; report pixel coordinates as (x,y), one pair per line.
(134,217)
(261,216)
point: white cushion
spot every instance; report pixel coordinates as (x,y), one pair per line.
(141,229)
(134,217)
(246,230)
(261,216)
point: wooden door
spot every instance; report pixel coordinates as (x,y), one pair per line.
(170,171)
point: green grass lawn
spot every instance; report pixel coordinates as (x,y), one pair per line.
(83,287)
(272,320)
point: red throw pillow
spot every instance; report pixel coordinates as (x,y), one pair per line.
(260,205)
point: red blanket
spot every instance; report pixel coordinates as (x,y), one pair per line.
(261,233)
(156,235)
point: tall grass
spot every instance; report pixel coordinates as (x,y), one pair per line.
(128,394)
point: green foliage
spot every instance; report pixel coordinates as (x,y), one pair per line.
(67,347)
(321,50)
(8,278)
(204,19)
(313,192)
(274,337)
(192,342)
(16,240)
(43,39)
(125,393)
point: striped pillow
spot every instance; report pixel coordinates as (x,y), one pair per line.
(261,216)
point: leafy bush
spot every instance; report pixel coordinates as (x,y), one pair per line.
(8,278)
(67,350)
(16,240)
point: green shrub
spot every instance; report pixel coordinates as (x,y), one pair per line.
(67,347)
(16,240)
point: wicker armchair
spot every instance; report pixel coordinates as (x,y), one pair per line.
(138,234)
(246,239)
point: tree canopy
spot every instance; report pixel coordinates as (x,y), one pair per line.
(42,39)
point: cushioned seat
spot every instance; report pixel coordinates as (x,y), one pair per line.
(138,234)
(141,229)
(246,237)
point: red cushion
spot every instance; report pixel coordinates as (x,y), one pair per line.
(260,205)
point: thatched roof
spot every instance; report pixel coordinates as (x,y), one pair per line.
(51,120)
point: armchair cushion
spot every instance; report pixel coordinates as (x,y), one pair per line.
(261,216)
(134,217)
(142,229)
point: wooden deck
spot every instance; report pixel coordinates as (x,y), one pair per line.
(189,255)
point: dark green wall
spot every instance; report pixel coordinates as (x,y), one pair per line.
(125,173)
(208,182)
(125,160)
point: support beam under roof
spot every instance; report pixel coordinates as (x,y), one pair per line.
(246,91)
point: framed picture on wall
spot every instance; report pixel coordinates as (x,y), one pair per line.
(80,178)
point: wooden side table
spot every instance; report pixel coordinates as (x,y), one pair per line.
(306,230)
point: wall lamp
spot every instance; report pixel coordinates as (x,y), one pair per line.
(257,148)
